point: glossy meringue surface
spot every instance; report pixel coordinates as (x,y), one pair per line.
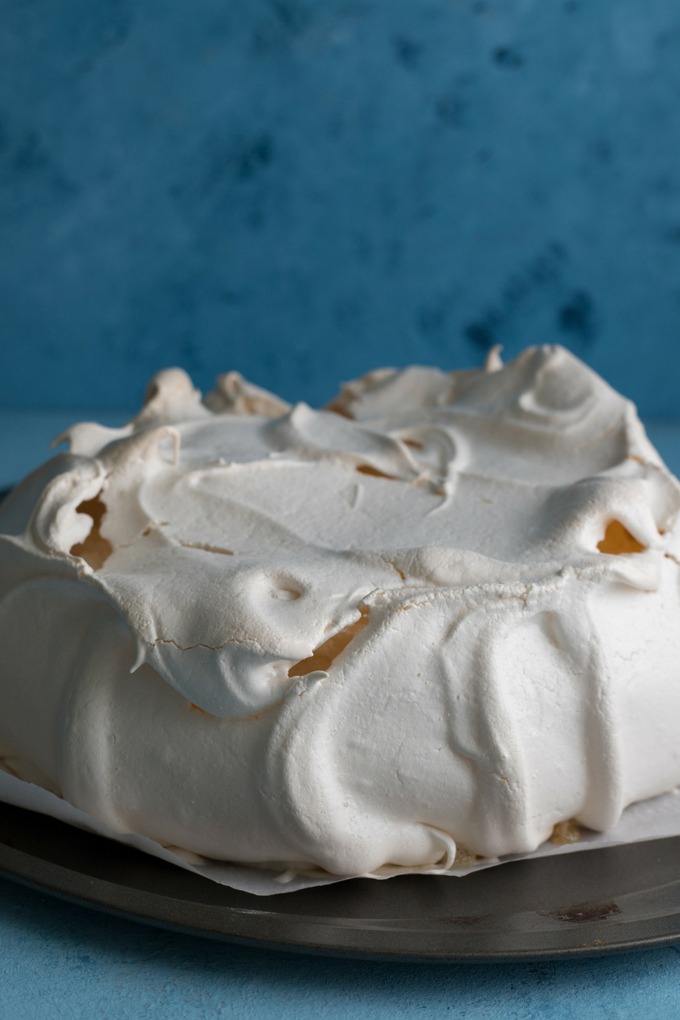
(441,613)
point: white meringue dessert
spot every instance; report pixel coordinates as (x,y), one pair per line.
(438,617)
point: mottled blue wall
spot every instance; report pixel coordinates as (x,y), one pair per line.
(303,190)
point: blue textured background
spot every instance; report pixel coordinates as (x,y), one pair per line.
(303,190)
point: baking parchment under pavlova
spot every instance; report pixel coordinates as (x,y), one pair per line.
(657,818)
(431,623)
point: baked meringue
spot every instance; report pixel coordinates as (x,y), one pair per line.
(437,617)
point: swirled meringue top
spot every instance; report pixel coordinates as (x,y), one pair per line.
(442,610)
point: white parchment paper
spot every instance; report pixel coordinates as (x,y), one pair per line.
(650,819)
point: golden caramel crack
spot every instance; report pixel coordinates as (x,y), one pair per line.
(323,655)
(618,541)
(96,549)
(566,832)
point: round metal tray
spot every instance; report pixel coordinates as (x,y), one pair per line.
(598,901)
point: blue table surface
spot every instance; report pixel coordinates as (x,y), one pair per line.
(59,960)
